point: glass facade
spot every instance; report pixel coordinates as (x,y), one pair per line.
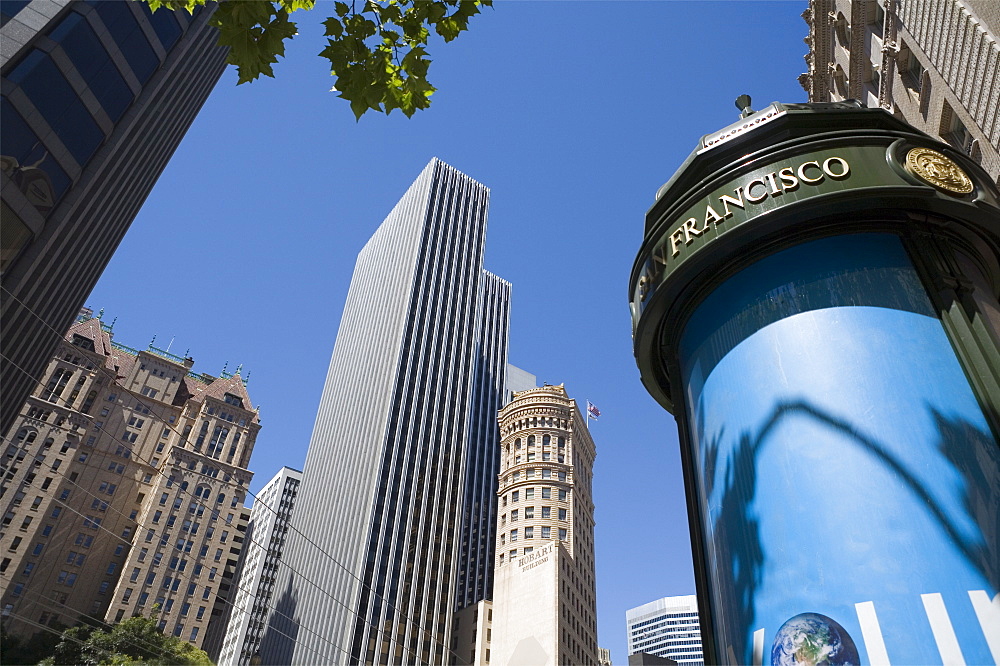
(47,108)
(841,461)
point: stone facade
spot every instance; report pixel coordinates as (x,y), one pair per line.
(544,596)
(123,483)
(933,63)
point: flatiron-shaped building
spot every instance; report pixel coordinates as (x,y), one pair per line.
(387,539)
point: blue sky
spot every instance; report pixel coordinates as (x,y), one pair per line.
(573,113)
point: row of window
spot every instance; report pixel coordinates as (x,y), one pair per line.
(529,493)
(51,93)
(513,553)
(529,513)
(541,473)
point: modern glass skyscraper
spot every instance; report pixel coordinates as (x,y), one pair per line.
(667,627)
(97,95)
(402,460)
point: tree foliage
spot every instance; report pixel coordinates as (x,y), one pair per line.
(132,642)
(376,48)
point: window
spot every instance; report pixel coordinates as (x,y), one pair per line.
(27,569)
(562,493)
(513,515)
(562,534)
(529,493)
(201,612)
(529,532)
(111,569)
(515,496)
(529,512)
(546,474)
(546,532)
(513,536)
(562,476)
(562,514)
(47,530)
(546,512)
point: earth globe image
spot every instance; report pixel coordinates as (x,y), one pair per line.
(811,639)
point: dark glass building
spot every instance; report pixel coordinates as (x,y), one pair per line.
(96,96)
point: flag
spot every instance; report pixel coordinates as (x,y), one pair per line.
(592,410)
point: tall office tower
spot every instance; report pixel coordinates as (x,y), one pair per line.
(96,97)
(223,610)
(933,63)
(254,583)
(122,481)
(371,572)
(667,627)
(544,597)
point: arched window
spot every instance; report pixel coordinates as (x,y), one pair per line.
(546,440)
(531,440)
(517,443)
(184,485)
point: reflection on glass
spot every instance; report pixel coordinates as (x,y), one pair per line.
(845,470)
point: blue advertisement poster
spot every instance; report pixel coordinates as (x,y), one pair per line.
(848,480)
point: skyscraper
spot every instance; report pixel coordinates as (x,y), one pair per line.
(933,63)
(397,473)
(544,599)
(97,95)
(254,581)
(667,627)
(122,483)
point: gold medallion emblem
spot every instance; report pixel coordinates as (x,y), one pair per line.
(938,170)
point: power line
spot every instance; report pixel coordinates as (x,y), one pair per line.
(223,600)
(387,603)
(182,491)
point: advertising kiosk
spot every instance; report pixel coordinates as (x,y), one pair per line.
(815,301)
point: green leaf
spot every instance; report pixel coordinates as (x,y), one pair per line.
(377,55)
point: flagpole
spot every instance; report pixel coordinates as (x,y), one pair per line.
(588,415)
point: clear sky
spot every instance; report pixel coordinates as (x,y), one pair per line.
(573,113)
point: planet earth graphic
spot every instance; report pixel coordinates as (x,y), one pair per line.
(811,639)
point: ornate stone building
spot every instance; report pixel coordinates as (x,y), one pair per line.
(123,481)
(544,595)
(933,63)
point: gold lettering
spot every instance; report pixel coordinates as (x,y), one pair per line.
(643,287)
(659,257)
(725,200)
(788,179)
(690,227)
(774,184)
(675,241)
(711,216)
(802,172)
(753,199)
(845,168)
